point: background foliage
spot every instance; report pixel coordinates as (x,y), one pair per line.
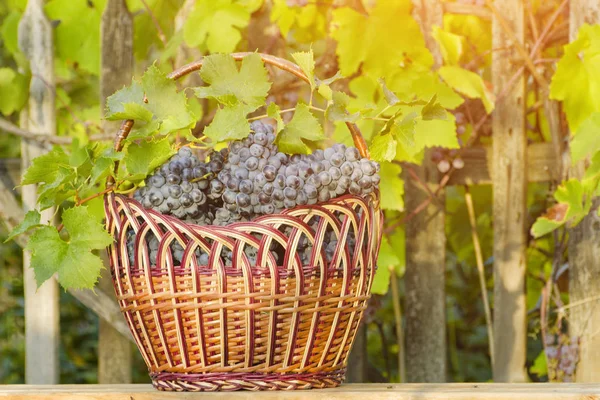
(381,77)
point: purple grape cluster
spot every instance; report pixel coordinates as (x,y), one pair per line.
(251,178)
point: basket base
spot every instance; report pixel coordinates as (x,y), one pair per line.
(227,382)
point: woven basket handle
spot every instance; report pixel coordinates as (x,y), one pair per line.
(280,63)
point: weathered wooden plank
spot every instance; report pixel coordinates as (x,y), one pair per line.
(584,247)
(41,304)
(509,178)
(424,279)
(452,391)
(114,349)
(541,165)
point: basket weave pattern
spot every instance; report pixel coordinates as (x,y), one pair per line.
(258,324)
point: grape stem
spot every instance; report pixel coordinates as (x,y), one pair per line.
(286,111)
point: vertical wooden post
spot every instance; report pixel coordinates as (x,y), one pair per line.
(584,248)
(509,179)
(425,251)
(41,305)
(114,349)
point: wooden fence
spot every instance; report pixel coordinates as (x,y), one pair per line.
(508,165)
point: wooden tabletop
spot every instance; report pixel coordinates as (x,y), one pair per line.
(450,391)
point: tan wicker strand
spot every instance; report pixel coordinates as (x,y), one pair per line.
(269,323)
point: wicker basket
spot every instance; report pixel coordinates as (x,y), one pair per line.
(261,326)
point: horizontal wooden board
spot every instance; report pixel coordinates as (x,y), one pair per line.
(448,391)
(541,165)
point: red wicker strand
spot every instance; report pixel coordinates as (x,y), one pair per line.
(263,325)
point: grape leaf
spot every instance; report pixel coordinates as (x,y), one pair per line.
(249,86)
(115,103)
(392,187)
(142,158)
(387,258)
(450,45)
(72,259)
(77,37)
(433,110)
(436,132)
(468,83)
(14,89)
(337,109)
(133,111)
(586,140)
(383,147)
(404,129)
(31,220)
(164,109)
(216,23)
(229,123)
(573,205)
(306,62)
(273,111)
(303,126)
(166,104)
(390,96)
(363,41)
(576,81)
(46,167)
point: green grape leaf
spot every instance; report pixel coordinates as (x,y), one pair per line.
(77,37)
(249,86)
(273,111)
(390,96)
(164,109)
(133,111)
(392,187)
(540,367)
(450,45)
(573,205)
(31,220)
(576,81)
(337,109)
(381,281)
(383,147)
(115,104)
(9,32)
(165,103)
(229,123)
(306,62)
(436,133)
(586,140)
(216,24)
(404,129)
(72,259)
(433,110)
(142,158)
(363,41)
(303,126)
(46,167)
(467,83)
(14,89)
(388,257)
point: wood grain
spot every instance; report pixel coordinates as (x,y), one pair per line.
(452,391)
(424,279)
(42,329)
(114,349)
(509,178)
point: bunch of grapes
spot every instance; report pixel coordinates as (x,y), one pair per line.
(180,186)
(562,354)
(252,178)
